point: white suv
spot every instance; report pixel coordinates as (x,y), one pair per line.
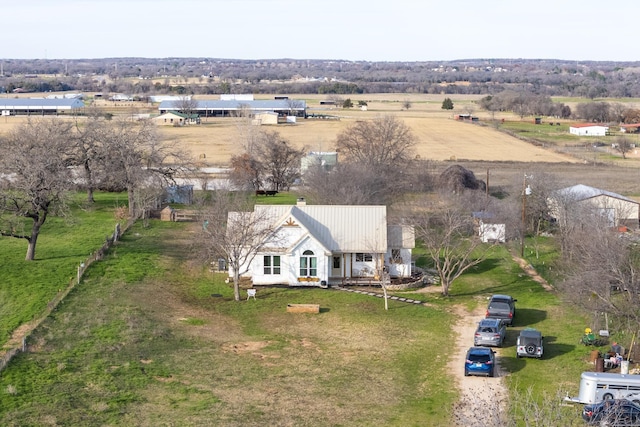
(529,343)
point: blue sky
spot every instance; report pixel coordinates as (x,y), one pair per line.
(374,30)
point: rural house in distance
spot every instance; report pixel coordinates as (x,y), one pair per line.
(588,129)
(321,245)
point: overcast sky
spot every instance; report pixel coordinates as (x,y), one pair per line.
(374,30)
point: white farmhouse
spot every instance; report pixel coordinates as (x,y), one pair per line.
(588,129)
(323,245)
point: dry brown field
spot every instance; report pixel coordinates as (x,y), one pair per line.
(440,137)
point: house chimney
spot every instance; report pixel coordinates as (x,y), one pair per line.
(301,202)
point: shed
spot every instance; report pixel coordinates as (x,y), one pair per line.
(266,118)
(167,214)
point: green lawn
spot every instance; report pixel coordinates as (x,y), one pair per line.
(151,338)
(27,286)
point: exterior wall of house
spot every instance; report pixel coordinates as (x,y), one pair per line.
(398,266)
(618,211)
(589,130)
(623,212)
(290,262)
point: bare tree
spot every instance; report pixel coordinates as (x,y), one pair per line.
(136,158)
(187,105)
(34,160)
(623,145)
(89,151)
(406,104)
(354,184)
(447,232)
(233,229)
(246,172)
(293,105)
(383,141)
(280,161)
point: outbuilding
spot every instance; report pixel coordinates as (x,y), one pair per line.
(570,204)
(588,129)
(39,106)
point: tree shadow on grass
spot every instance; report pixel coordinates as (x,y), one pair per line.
(528,317)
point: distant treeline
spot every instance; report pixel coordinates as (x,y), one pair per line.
(589,79)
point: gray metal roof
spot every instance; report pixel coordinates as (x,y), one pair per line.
(266,105)
(338,228)
(583,192)
(39,103)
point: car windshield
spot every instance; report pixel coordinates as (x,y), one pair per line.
(499,305)
(488,330)
(483,358)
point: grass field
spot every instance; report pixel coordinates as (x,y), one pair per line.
(151,338)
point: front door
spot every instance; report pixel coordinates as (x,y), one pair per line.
(336,266)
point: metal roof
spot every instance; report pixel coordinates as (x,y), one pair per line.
(339,228)
(39,103)
(583,192)
(267,105)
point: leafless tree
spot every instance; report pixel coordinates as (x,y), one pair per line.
(623,145)
(353,184)
(89,149)
(293,105)
(187,105)
(246,172)
(447,231)
(406,104)
(232,229)
(280,161)
(601,266)
(34,160)
(136,158)
(383,141)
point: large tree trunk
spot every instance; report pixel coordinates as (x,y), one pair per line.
(90,186)
(132,202)
(35,231)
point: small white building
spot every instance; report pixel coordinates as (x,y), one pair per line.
(588,129)
(173,118)
(265,118)
(319,245)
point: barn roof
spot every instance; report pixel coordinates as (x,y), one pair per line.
(39,103)
(583,192)
(588,125)
(271,104)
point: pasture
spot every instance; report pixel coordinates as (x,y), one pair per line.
(439,136)
(151,338)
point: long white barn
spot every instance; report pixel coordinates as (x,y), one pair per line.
(229,108)
(39,106)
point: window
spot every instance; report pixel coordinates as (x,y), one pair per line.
(361,257)
(308,264)
(272,264)
(336,262)
(396,256)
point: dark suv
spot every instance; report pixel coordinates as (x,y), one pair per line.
(502,307)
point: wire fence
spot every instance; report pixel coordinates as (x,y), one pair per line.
(18,341)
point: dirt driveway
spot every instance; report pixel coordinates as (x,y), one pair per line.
(482,400)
